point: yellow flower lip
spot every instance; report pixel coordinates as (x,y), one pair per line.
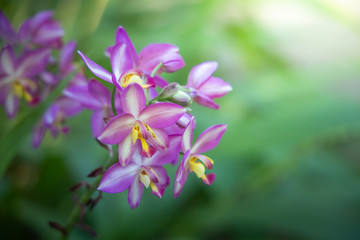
(133,76)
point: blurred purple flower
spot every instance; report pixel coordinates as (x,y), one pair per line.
(17,77)
(7,33)
(54,119)
(205,87)
(140,122)
(141,172)
(193,161)
(41,30)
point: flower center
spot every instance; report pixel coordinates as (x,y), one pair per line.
(142,134)
(149,177)
(198,165)
(20,91)
(133,76)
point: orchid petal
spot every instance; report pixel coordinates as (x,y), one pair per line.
(33,63)
(6,30)
(82,95)
(167,54)
(68,107)
(66,57)
(200,73)
(161,141)
(126,150)
(117,129)
(215,87)
(122,37)
(7,60)
(38,135)
(208,179)
(152,176)
(117,178)
(208,163)
(181,175)
(133,99)
(11,104)
(160,115)
(209,139)
(157,189)
(97,122)
(205,101)
(120,60)
(135,192)
(187,138)
(169,155)
(100,92)
(163,178)
(97,70)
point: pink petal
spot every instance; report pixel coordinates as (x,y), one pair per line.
(7,32)
(161,141)
(162,175)
(82,95)
(100,92)
(205,101)
(120,60)
(170,155)
(181,175)
(187,138)
(11,104)
(126,150)
(7,60)
(38,135)
(97,70)
(117,178)
(160,115)
(200,73)
(66,57)
(215,87)
(97,122)
(135,192)
(133,99)
(151,55)
(208,179)
(209,139)
(33,63)
(117,129)
(122,37)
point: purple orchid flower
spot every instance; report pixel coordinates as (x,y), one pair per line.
(16,77)
(41,30)
(141,172)
(54,119)
(128,67)
(206,87)
(193,160)
(140,122)
(96,97)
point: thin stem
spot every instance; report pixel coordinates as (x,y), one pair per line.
(84,198)
(156,69)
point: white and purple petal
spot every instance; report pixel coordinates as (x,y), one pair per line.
(135,192)
(126,150)
(200,73)
(120,59)
(160,115)
(117,178)
(117,129)
(209,139)
(133,99)
(7,60)
(187,138)
(96,69)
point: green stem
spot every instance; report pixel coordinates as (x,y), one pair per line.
(156,69)
(84,198)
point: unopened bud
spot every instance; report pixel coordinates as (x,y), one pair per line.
(169,90)
(181,98)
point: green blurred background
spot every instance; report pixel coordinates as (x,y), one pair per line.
(288,166)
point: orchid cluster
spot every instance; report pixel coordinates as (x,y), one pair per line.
(147,117)
(33,61)
(150,121)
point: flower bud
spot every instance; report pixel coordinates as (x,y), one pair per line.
(181,98)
